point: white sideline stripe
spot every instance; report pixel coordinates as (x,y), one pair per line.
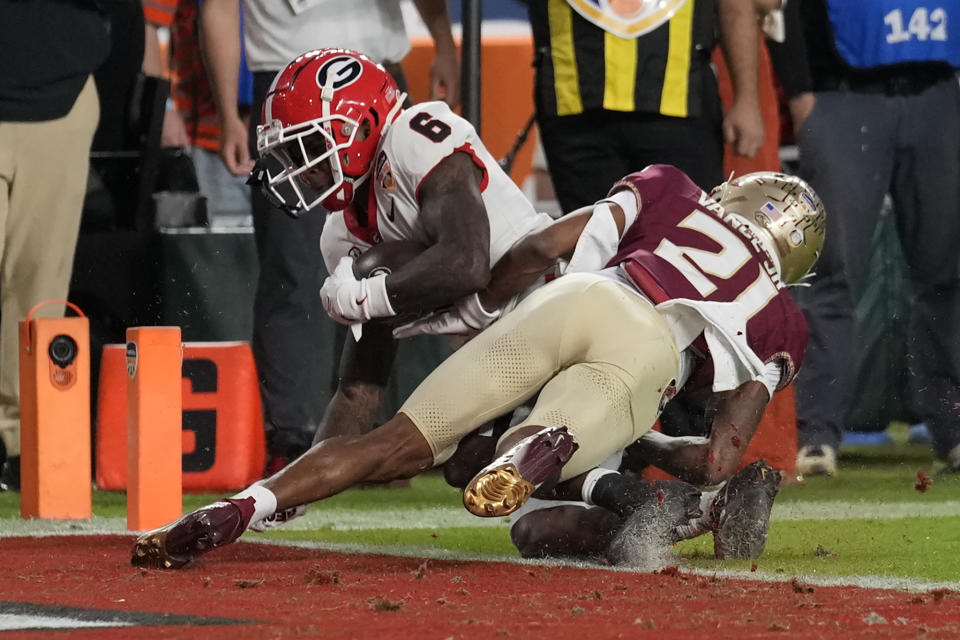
(97,525)
(844,510)
(432,518)
(15,621)
(446,517)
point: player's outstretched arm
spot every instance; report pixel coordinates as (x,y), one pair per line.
(709,461)
(533,255)
(529,258)
(516,271)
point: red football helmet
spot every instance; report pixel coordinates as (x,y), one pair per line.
(323,118)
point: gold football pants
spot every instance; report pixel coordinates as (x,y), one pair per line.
(600,356)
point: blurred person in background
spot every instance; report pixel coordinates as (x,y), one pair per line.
(190,121)
(618,88)
(287,309)
(877,111)
(48,113)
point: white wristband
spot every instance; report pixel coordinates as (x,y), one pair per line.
(377,304)
(473,313)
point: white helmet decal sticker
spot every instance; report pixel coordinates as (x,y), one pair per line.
(342,71)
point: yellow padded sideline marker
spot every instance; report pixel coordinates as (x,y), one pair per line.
(55,416)
(154,414)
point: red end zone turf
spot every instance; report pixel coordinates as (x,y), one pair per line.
(278,591)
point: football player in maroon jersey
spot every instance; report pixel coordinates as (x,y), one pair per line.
(738,511)
(691,292)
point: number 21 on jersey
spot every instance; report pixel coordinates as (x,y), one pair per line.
(696,264)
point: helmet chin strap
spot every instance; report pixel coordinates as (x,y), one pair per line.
(394,111)
(356,183)
(391,116)
(326,97)
(725,186)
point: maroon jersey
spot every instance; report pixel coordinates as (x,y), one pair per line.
(683,245)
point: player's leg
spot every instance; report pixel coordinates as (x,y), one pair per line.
(395,450)
(616,359)
(489,376)
(473,452)
(571,523)
(498,370)
(492,374)
(568,530)
(605,514)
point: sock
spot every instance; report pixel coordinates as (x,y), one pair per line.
(264,501)
(591,480)
(621,494)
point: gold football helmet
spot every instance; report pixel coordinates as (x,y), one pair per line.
(785,207)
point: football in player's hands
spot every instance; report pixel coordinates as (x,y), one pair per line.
(385,258)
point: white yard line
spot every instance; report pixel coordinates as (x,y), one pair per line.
(15,622)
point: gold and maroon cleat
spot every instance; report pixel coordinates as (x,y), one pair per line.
(506,483)
(174,545)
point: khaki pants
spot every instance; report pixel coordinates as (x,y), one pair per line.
(43,179)
(600,357)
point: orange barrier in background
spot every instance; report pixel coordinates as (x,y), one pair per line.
(55,417)
(222,425)
(154,494)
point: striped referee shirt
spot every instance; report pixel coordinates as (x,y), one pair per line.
(581,67)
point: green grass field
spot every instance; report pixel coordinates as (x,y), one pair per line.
(869,520)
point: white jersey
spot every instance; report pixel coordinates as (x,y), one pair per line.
(419,140)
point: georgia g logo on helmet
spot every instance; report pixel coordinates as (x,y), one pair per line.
(342,70)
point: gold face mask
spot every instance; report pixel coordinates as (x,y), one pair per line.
(786,208)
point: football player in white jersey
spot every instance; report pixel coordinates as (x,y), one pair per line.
(336,138)
(603,358)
